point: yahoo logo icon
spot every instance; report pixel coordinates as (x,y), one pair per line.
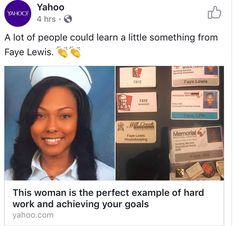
(17,13)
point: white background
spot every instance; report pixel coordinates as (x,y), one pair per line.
(146,17)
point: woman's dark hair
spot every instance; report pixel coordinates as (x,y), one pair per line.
(82,145)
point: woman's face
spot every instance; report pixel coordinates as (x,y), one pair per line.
(210,99)
(55,126)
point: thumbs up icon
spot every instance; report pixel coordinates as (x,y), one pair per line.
(215,13)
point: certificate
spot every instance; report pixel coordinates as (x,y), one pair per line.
(195,105)
(183,76)
(136,131)
(196,144)
(137,77)
(136,102)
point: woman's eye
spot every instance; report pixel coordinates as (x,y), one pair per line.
(40,116)
(65,116)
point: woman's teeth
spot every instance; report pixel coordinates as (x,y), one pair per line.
(52,141)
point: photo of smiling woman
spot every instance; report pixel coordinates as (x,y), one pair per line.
(54,140)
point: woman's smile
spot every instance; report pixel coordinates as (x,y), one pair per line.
(52,141)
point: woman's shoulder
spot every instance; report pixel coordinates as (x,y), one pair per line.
(104,172)
(8,175)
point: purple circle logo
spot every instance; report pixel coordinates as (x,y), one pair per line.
(17,13)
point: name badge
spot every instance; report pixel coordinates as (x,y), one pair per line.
(194,171)
(195,76)
(173,176)
(133,132)
(220,168)
(136,77)
(136,102)
(195,105)
(196,144)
